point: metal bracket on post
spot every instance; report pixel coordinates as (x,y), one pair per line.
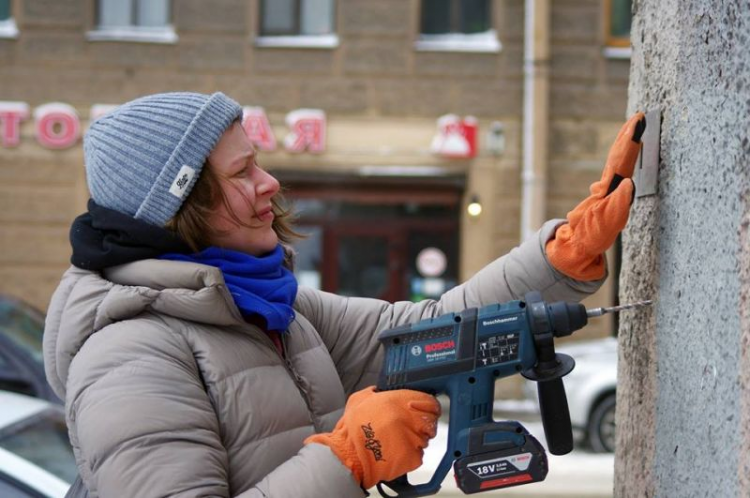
(647,165)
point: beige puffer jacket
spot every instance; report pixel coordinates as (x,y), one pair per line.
(169,392)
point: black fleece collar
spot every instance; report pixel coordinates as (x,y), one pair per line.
(102,238)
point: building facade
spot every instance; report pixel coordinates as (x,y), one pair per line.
(384,119)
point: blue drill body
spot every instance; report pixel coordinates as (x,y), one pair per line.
(461,355)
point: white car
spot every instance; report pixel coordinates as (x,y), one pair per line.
(590,389)
(36,459)
(21,364)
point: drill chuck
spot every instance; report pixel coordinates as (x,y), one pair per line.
(566,318)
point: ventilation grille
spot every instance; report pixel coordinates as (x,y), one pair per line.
(481,410)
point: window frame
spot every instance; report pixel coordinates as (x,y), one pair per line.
(8,27)
(486,41)
(610,40)
(298,40)
(140,34)
(615,47)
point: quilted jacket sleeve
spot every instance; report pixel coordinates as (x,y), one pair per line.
(142,424)
(349,326)
(315,472)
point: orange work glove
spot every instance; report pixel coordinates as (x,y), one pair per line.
(382,435)
(577,249)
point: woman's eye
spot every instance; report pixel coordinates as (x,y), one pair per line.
(244,171)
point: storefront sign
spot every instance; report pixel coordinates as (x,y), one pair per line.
(258,129)
(11,115)
(57,126)
(456,137)
(308,128)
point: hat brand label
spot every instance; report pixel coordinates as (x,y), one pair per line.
(181,181)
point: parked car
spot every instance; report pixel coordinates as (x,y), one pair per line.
(21,364)
(36,459)
(590,389)
(20,478)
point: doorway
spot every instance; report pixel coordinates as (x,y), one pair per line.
(390,241)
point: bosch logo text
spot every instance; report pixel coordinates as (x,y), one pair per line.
(439,346)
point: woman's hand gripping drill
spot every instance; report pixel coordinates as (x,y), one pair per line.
(382,435)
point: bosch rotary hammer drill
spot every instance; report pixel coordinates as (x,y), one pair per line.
(461,355)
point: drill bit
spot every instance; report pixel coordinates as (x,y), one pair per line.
(616,309)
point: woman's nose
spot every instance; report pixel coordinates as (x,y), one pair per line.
(267,184)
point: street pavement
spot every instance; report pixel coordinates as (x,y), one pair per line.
(580,474)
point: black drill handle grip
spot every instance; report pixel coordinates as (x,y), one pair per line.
(553,405)
(404,489)
(400,484)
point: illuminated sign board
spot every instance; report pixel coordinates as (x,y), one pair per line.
(57,126)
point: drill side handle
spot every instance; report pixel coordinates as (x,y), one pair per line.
(546,321)
(553,406)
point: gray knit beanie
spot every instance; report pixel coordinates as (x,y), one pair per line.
(143,158)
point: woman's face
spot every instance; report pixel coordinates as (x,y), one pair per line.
(248,190)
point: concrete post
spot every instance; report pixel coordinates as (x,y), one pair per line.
(683,407)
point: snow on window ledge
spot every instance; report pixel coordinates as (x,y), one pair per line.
(139,34)
(459,42)
(8,28)
(298,41)
(617,52)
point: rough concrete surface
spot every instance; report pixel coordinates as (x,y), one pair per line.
(683,397)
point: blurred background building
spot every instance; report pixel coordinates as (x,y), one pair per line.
(386,120)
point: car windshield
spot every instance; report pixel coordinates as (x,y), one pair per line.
(23,325)
(43,440)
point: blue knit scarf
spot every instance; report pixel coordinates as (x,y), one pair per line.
(259,285)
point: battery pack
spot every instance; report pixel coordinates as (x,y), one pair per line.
(502,468)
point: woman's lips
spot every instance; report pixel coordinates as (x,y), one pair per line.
(265,214)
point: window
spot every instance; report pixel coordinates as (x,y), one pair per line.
(7,24)
(457,25)
(455,16)
(619,23)
(133,20)
(303,23)
(618,16)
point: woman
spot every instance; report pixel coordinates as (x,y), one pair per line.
(190,362)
